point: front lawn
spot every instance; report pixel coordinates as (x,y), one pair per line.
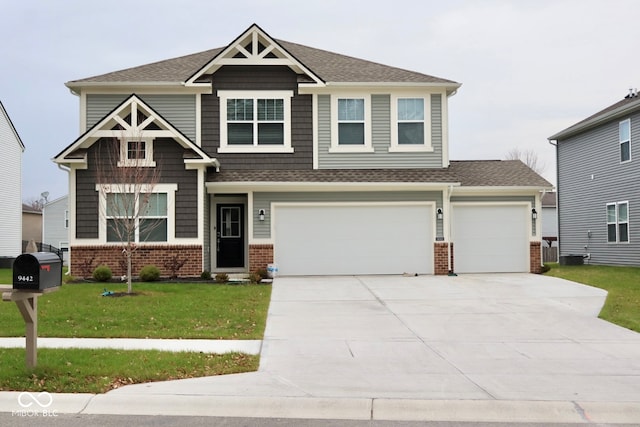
(98,371)
(159,310)
(622,306)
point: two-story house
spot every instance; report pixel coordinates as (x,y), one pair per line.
(11,149)
(275,152)
(55,225)
(598,190)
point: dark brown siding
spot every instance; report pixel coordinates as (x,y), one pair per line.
(168,156)
(260,78)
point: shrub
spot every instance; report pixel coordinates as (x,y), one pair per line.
(545,268)
(255,277)
(262,272)
(222,277)
(102,273)
(149,273)
(206,275)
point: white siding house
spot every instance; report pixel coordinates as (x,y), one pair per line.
(11,149)
(55,225)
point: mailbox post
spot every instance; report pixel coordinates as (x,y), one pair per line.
(33,275)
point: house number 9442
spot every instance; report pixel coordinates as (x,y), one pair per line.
(25,278)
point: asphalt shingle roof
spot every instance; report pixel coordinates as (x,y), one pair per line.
(331,67)
(477,173)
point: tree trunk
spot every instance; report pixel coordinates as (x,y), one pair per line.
(129,285)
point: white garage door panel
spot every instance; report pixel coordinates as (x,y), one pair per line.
(316,240)
(490,239)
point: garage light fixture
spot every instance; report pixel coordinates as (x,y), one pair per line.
(261,214)
(534,214)
(439,213)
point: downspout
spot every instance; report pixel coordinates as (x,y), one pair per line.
(67,170)
(557,195)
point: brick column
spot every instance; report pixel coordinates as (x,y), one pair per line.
(440,258)
(535,257)
(260,256)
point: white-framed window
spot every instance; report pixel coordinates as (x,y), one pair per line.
(624,136)
(351,124)
(135,152)
(120,201)
(255,121)
(66,218)
(411,129)
(618,222)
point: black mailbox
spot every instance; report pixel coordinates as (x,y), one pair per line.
(37,271)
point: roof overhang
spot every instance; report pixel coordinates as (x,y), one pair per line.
(240,186)
(114,125)
(597,120)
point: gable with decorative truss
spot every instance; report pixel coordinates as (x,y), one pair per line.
(133,121)
(254,47)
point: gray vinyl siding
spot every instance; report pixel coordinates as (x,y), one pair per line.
(381,129)
(53,219)
(10,189)
(168,156)
(590,176)
(179,110)
(262,229)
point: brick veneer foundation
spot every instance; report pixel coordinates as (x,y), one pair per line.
(441,258)
(157,255)
(260,256)
(535,257)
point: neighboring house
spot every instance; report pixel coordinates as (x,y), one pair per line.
(55,225)
(274,152)
(549,220)
(11,149)
(598,190)
(31,224)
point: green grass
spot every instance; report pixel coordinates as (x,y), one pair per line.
(98,371)
(159,310)
(622,305)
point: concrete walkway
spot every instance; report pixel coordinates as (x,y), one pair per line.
(511,347)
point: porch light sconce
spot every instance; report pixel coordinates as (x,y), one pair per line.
(439,213)
(261,214)
(534,214)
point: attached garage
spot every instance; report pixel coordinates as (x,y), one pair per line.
(349,239)
(490,238)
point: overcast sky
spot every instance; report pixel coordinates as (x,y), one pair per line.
(528,68)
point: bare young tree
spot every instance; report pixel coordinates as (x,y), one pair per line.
(528,157)
(126,182)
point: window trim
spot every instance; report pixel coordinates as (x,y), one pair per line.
(104,189)
(395,146)
(617,222)
(626,141)
(125,161)
(285,95)
(335,147)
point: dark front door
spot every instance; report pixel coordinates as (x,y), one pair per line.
(230,236)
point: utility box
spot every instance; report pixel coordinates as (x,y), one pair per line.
(37,271)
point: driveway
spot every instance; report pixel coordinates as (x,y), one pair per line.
(472,337)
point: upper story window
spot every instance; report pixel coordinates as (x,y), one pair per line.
(136,152)
(625,140)
(618,222)
(255,121)
(351,124)
(66,218)
(410,125)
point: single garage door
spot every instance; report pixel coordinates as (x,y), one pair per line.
(346,240)
(490,238)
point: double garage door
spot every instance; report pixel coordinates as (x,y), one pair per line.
(342,239)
